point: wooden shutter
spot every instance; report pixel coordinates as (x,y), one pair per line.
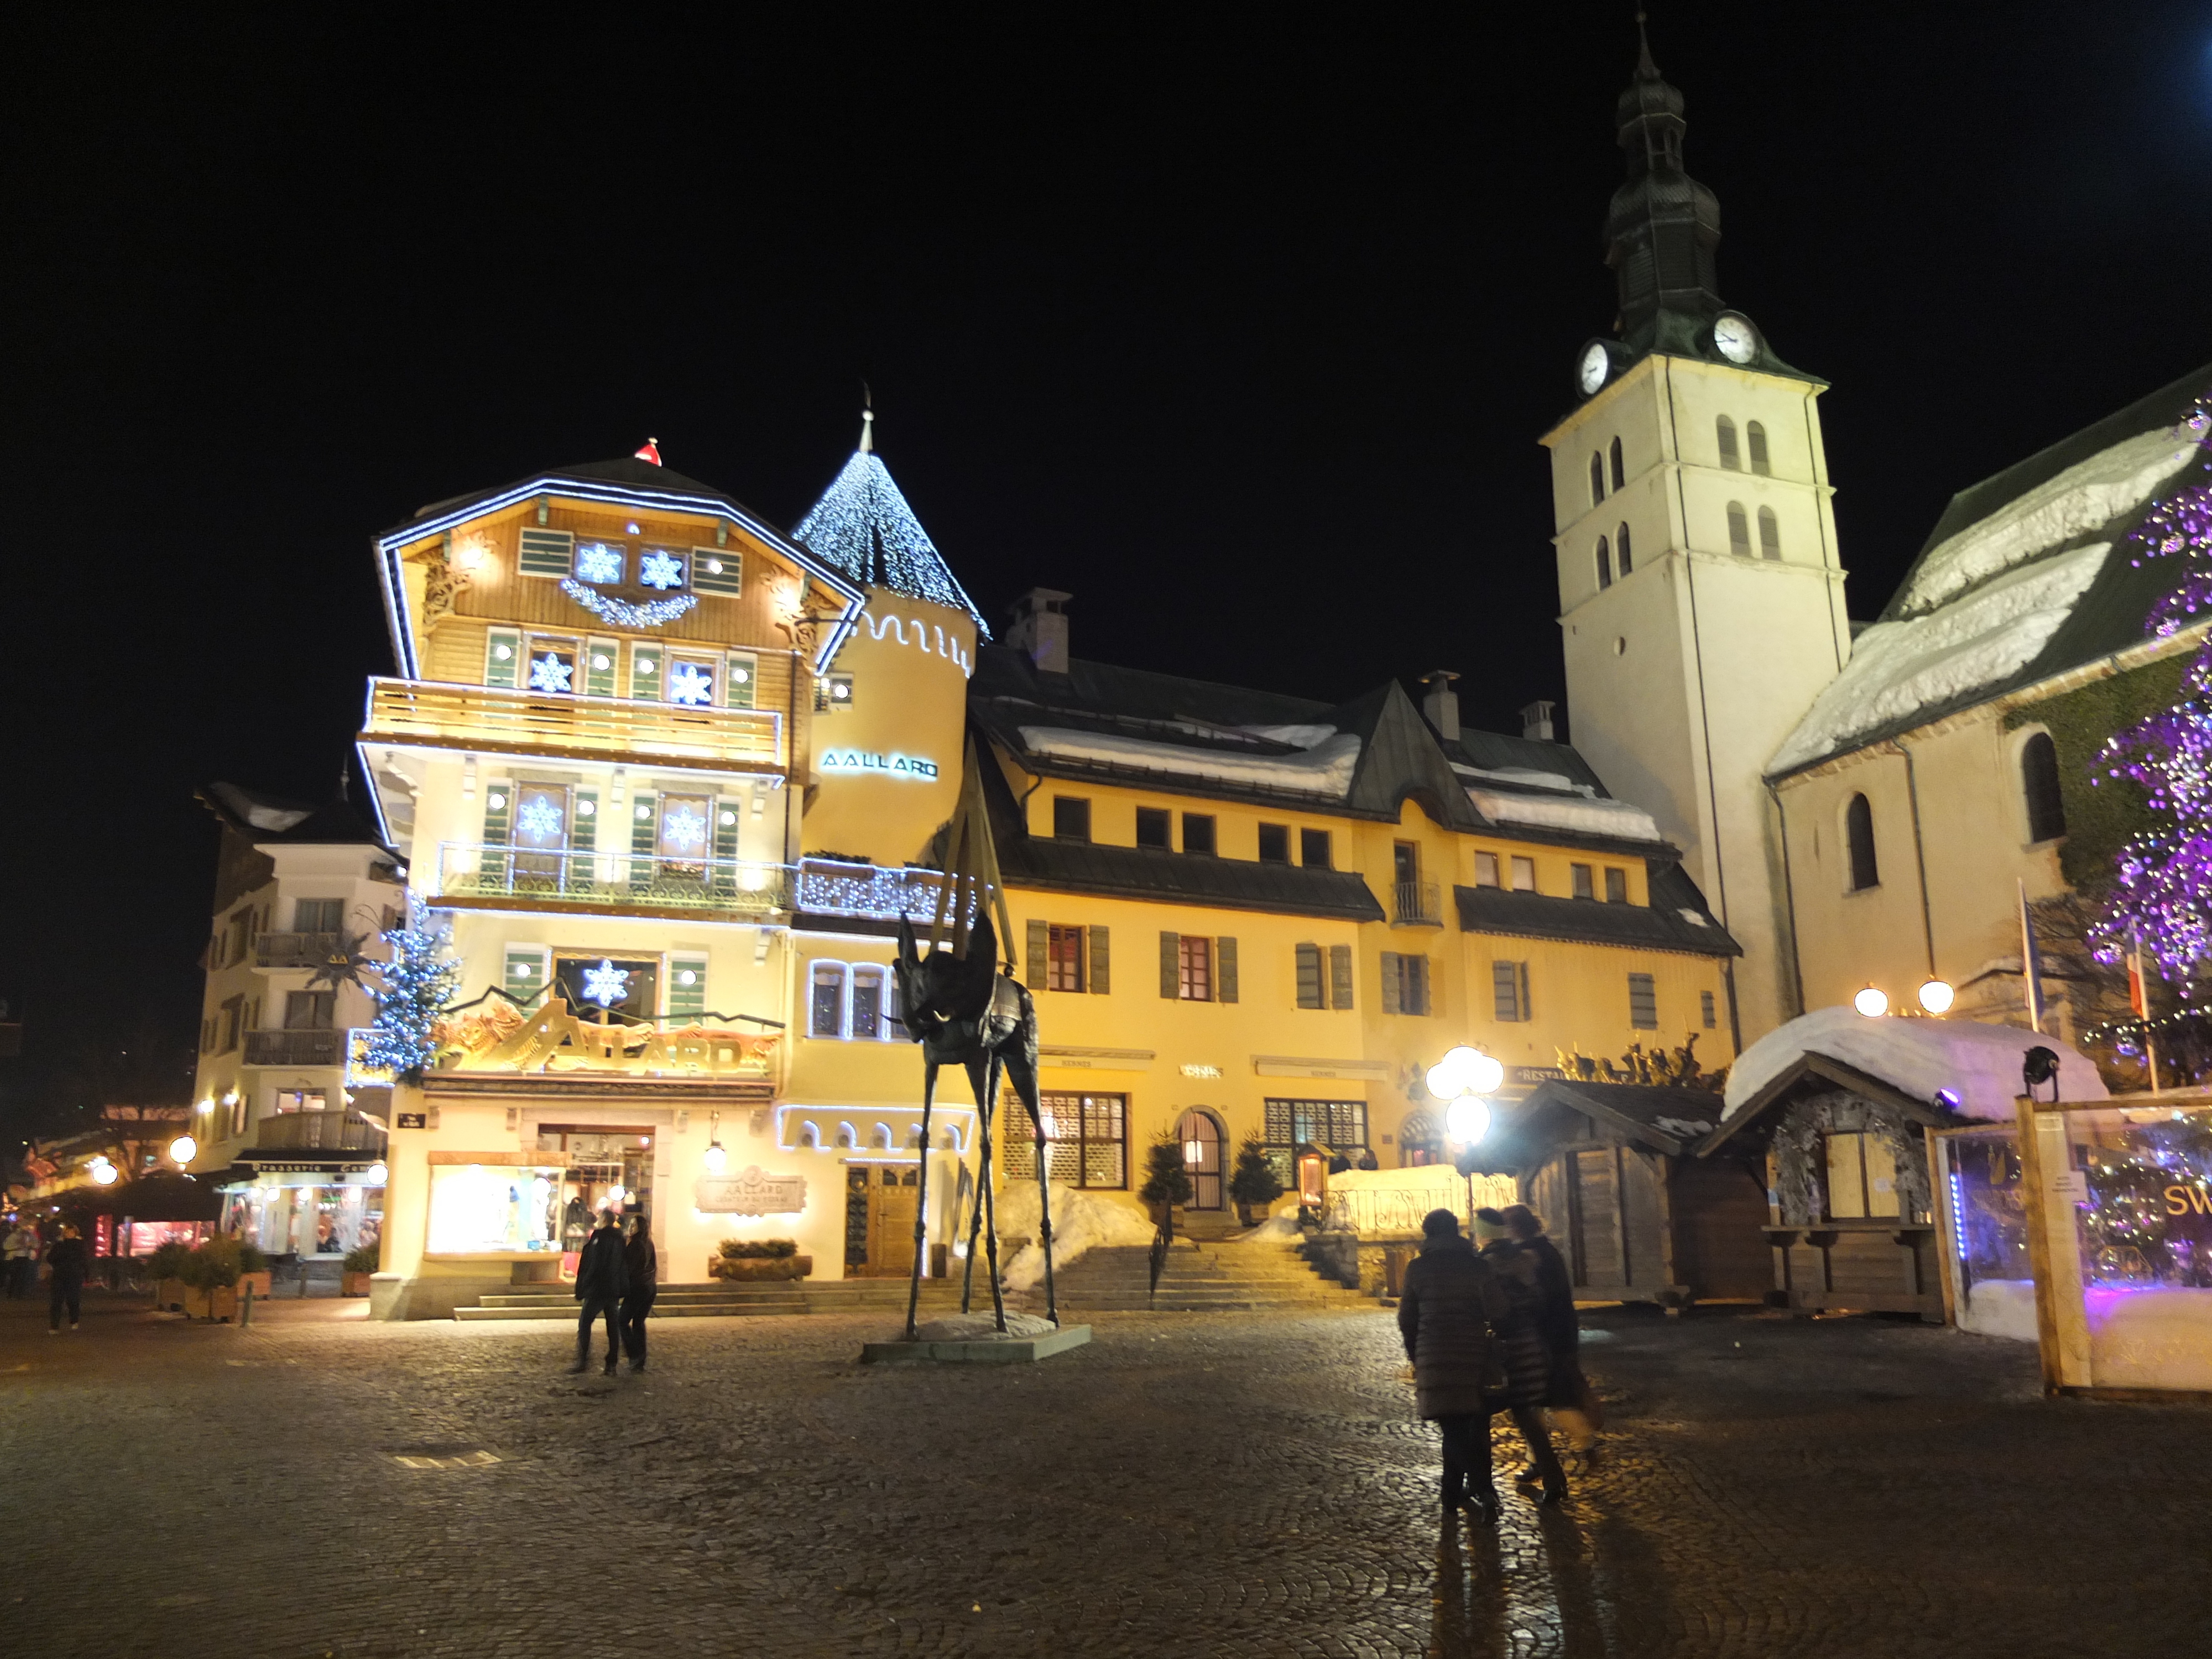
(1039,955)
(726,825)
(1340,975)
(1389,982)
(502,656)
(1224,970)
(1309,987)
(1100,978)
(547,552)
(1528,1010)
(602,666)
(499,804)
(584,825)
(718,570)
(1170,964)
(644,824)
(1505,990)
(528,971)
(644,667)
(740,675)
(1643,1002)
(687,1001)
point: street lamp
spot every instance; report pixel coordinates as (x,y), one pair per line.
(375,1174)
(1936,995)
(1459,1079)
(1873,1002)
(183,1150)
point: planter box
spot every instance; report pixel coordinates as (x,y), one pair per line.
(221,1302)
(759,1267)
(259,1282)
(169,1294)
(353,1284)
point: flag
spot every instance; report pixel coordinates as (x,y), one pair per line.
(2031,964)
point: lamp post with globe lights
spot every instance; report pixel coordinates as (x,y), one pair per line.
(1461,1080)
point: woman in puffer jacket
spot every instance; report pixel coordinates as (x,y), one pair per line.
(1522,1347)
(1447,1309)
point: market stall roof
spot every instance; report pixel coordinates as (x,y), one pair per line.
(1664,1119)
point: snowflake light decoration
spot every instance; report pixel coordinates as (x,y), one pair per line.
(539,818)
(605,984)
(689,684)
(659,569)
(684,829)
(598,562)
(621,612)
(549,673)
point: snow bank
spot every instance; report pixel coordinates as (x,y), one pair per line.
(1299,736)
(1923,1058)
(1527,776)
(2158,1337)
(2001,1307)
(1324,769)
(1616,818)
(1081,1221)
(1278,1229)
(1898,668)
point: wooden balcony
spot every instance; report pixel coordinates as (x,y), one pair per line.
(295,1048)
(318,1132)
(438,715)
(294,949)
(474,876)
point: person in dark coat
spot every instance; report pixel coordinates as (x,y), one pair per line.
(1521,1346)
(66,1264)
(1446,1310)
(601,1278)
(641,1268)
(1568,1395)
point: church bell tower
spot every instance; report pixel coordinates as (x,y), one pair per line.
(1701,595)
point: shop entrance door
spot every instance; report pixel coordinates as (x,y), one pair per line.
(880,1201)
(1201,1159)
(600,1167)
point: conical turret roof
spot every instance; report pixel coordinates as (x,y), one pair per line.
(864,528)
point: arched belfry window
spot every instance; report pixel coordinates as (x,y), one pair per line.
(1620,548)
(1724,428)
(1620,473)
(1755,436)
(2039,785)
(1739,530)
(1770,534)
(1597,478)
(1858,839)
(1604,564)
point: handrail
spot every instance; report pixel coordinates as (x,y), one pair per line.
(1163,1240)
(454,716)
(731,887)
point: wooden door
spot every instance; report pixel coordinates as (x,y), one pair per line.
(1201,1159)
(892,1192)
(1595,1198)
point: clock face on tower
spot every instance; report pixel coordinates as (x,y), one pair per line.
(1591,368)
(1735,338)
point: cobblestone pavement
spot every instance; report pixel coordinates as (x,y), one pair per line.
(1185,1485)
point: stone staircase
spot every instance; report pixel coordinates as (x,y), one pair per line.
(730,1299)
(1199,1276)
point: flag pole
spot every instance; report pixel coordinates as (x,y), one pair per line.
(2139,996)
(2031,969)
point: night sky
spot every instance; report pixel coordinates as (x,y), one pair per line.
(1239,324)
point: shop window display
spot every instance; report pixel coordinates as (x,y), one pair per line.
(478,1209)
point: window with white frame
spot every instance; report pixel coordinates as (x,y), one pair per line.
(854,1002)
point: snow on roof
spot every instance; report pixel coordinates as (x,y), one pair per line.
(1978,1063)
(1615,818)
(1325,769)
(1527,776)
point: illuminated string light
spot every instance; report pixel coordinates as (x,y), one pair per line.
(415,985)
(863,527)
(621,612)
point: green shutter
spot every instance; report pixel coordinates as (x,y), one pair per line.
(547,552)
(1170,964)
(528,967)
(740,675)
(502,670)
(727,821)
(1039,955)
(642,827)
(1224,970)
(499,806)
(602,666)
(687,1001)
(1527,1010)
(1309,989)
(1340,975)
(1101,977)
(718,570)
(1389,982)
(644,667)
(583,838)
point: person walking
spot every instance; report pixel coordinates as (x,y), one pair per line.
(600,1281)
(21,1260)
(1449,1305)
(1567,1395)
(1528,1361)
(641,1272)
(66,1265)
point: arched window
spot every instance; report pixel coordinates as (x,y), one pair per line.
(1597,478)
(1858,837)
(1620,548)
(1620,473)
(1739,530)
(1726,430)
(1604,564)
(1756,435)
(1770,534)
(2039,783)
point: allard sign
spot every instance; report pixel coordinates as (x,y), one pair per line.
(859,762)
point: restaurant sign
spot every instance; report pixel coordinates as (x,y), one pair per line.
(750,1194)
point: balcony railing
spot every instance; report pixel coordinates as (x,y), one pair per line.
(616,881)
(294,950)
(1416,904)
(830,888)
(490,717)
(295,1048)
(318,1132)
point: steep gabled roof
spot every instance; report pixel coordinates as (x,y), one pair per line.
(863,528)
(267,819)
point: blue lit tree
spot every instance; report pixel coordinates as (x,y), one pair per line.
(416,984)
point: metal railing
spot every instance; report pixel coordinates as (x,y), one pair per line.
(295,1048)
(833,888)
(318,1132)
(294,950)
(492,717)
(1416,904)
(728,887)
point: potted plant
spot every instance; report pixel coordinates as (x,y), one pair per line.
(252,1271)
(166,1267)
(753,1259)
(353,1273)
(210,1276)
(1254,1183)
(1167,1182)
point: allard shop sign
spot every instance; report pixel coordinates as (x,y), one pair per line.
(750,1194)
(859,762)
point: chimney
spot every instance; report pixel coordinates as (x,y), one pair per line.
(1536,720)
(1442,704)
(1040,629)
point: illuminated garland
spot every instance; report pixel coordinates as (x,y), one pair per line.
(621,613)
(863,527)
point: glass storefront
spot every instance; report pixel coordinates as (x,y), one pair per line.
(478,1209)
(304,1215)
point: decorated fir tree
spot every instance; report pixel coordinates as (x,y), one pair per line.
(1254,1182)
(1166,1180)
(414,987)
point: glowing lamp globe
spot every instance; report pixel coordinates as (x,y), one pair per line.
(1468,1119)
(1873,1002)
(184,1149)
(1936,995)
(375,1174)
(102,1172)
(716,1160)
(1465,1071)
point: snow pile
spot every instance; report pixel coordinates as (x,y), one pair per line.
(1683,1129)
(1299,736)
(2155,1337)
(1898,668)
(2001,1307)
(983,1327)
(1278,1229)
(1525,776)
(1081,1221)
(1923,1058)
(1324,769)
(1616,818)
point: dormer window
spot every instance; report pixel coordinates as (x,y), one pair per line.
(1724,428)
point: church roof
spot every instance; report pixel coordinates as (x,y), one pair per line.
(863,528)
(2027,574)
